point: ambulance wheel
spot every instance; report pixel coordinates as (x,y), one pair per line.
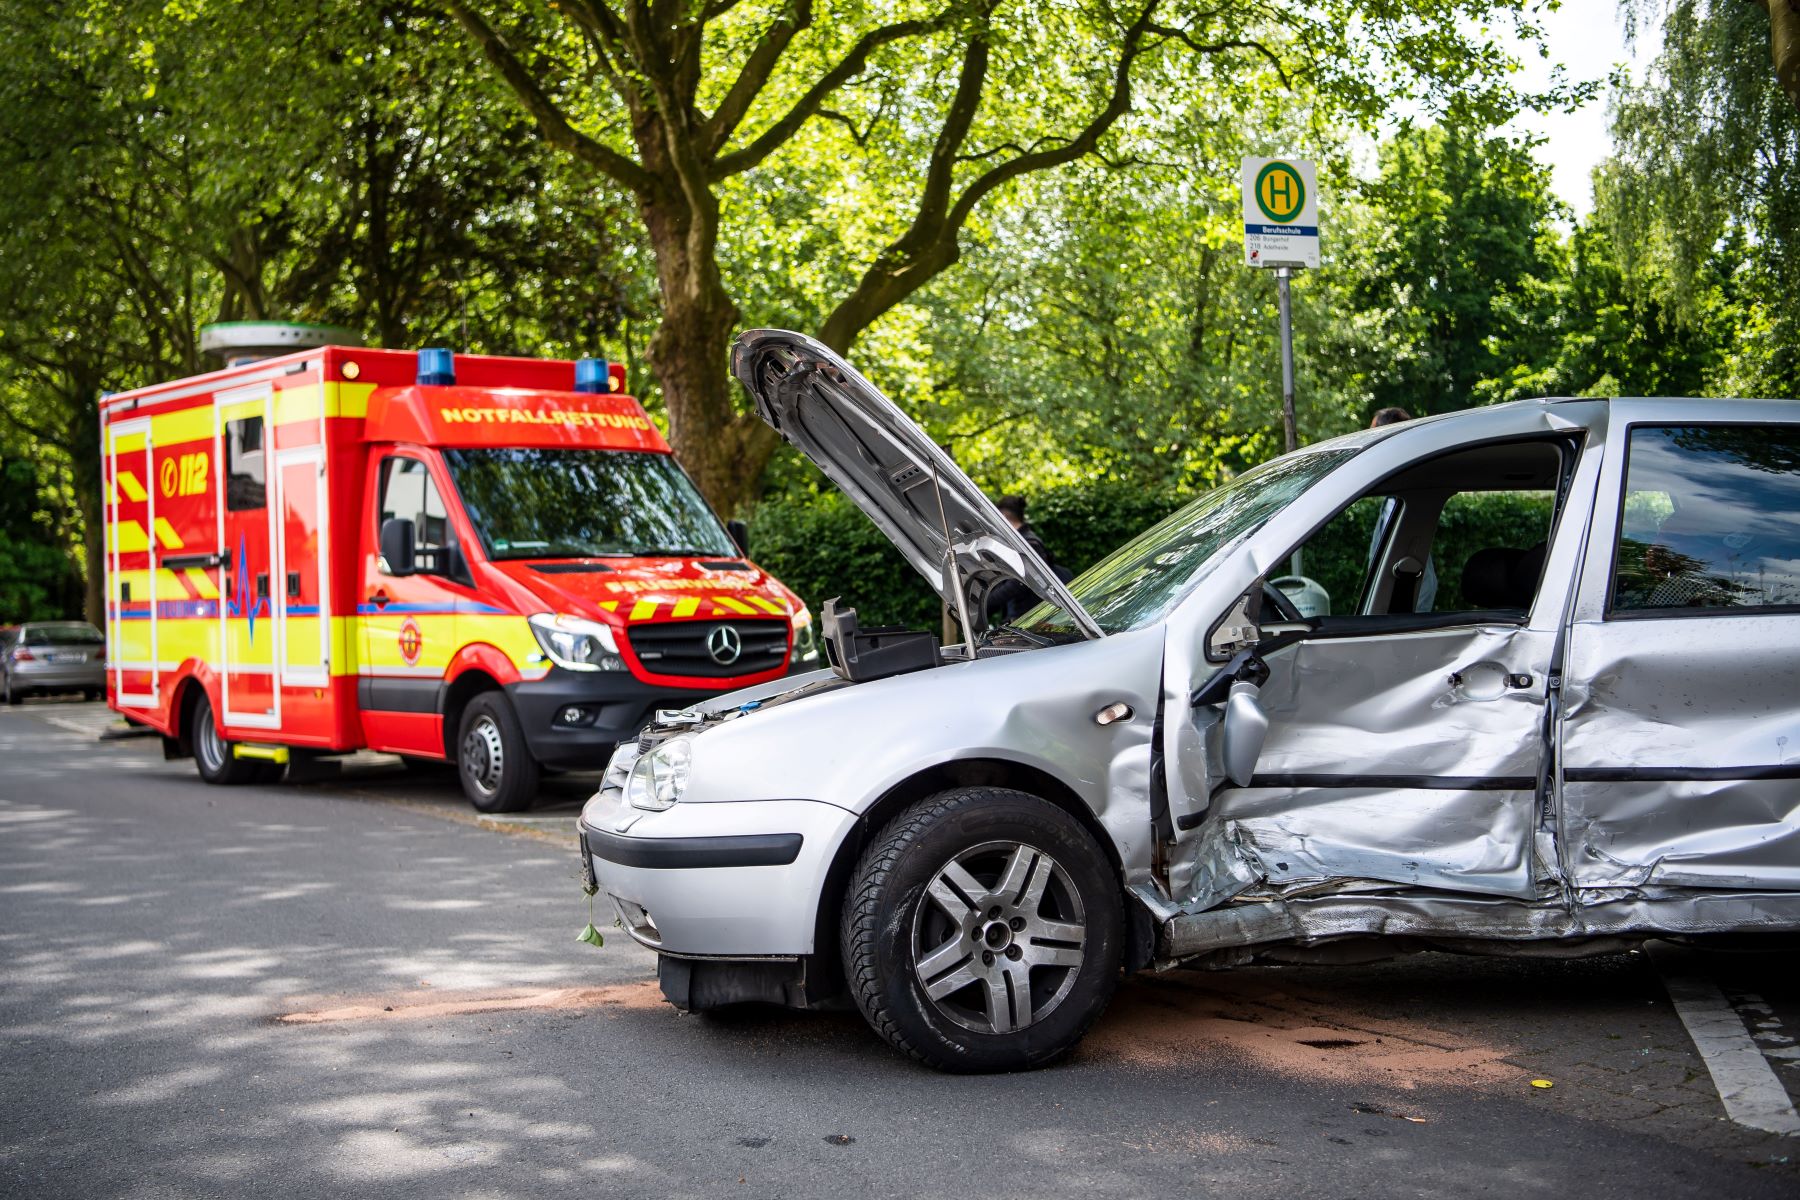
(212,753)
(497,771)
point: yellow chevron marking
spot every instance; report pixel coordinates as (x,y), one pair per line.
(202,582)
(112,495)
(768,606)
(166,537)
(642,610)
(733,604)
(687,606)
(134,490)
(129,537)
(610,605)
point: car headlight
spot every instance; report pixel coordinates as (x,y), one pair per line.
(806,637)
(575,644)
(659,777)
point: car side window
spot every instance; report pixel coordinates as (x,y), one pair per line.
(1710,520)
(1465,532)
(407,491)
(244,487)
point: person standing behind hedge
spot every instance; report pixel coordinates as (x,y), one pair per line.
(1011,599)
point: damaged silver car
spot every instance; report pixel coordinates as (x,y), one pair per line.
(1303,719)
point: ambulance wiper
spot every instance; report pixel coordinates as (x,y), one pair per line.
(669,551)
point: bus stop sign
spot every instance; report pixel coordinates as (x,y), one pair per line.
(1281,212)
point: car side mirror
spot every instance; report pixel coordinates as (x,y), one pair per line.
(740,533)
(1245,730)
(398,556)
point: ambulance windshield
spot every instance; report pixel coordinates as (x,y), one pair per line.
(577,503)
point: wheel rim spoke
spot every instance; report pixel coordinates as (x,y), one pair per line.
(1053,956)
(954,982)
(948,955)
(1057,931)
(1018,872)
(1032,898)
(949,888)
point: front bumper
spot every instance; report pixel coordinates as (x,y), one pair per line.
(614,704)
(734,880)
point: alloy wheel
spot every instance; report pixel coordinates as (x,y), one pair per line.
(999,937)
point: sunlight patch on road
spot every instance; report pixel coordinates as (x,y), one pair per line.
(412,1008)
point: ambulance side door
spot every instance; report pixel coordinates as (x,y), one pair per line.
(408,616)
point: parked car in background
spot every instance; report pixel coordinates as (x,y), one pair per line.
(42,657)
(1574,743)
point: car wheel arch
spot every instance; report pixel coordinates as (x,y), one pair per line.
(970,772)
(457,694)
(189,690)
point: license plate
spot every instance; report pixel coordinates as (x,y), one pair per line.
(68,658)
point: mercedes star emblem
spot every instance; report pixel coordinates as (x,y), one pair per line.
(724,644)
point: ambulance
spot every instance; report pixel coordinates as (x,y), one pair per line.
(486,561)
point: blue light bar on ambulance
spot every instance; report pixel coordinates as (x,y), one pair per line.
(591,375)
(436,369)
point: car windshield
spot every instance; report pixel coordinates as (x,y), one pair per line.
(66,633)
(575,503)
(1139,583)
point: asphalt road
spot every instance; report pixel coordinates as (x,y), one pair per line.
(353,987)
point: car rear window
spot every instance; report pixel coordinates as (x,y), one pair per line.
(73,633)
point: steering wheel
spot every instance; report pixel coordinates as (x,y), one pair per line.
(1284,608)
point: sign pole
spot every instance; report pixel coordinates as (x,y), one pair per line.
(1288,425)
(1281,233)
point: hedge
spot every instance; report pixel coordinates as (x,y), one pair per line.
(823,546)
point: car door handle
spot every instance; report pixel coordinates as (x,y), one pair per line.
(380,599)
(187,562)
(1518,681)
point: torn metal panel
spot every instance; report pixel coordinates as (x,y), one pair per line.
(1474,918)
(1433,703)
(1408,759)
(1734,833)
(1681,752)
(1468,840)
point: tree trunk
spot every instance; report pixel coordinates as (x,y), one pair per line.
(725,451)
(85,458)
(1784,44)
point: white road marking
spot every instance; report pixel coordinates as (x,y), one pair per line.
(1747,1085)
(73,726)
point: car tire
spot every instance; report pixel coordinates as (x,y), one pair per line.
(91,694)
(212,753)
(7,695)
(495,765)
(983,931)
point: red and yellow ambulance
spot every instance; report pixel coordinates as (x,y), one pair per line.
(491,561)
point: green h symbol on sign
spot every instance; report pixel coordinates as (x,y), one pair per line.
(1280,192)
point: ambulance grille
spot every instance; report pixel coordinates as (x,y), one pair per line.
(682,647)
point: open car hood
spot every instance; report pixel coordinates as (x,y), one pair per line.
(883,461)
